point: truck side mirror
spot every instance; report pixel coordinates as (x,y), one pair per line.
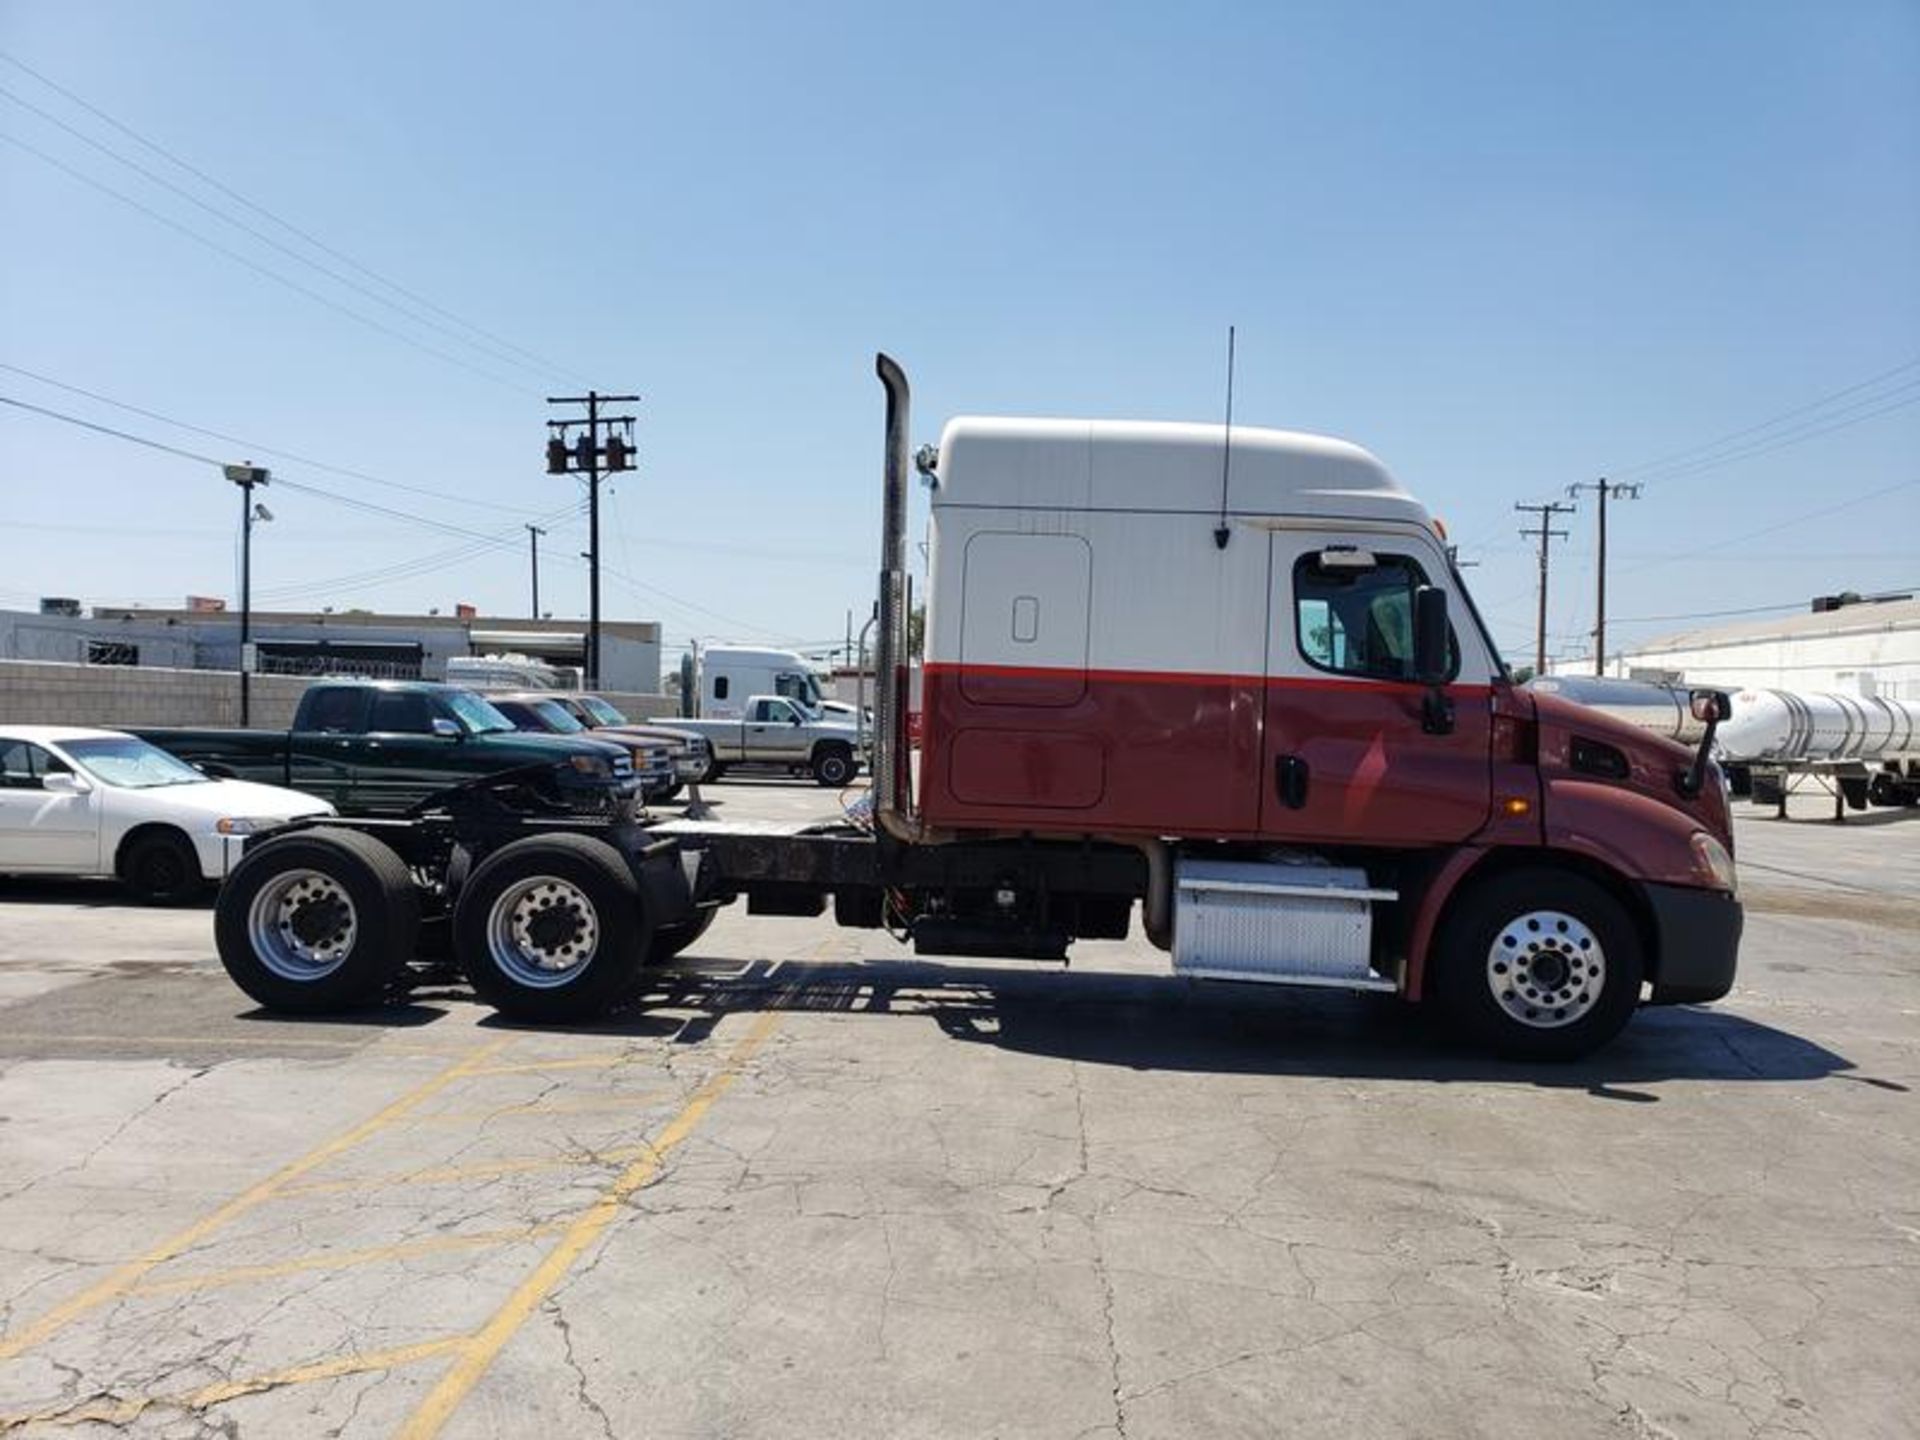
(1710,707)
(1430,635)
(446,729)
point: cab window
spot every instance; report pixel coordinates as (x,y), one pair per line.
(401,712)
(335,711)
(1357,618)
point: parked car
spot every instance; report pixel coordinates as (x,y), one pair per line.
(692,754)
(380,747)
(779,732)
(543,715)
(101,803)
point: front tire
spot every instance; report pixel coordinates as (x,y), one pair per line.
(833,766)
(161,867)
(1539,965)
(318,922)
(550,928)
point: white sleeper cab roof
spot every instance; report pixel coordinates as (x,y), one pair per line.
(1166,467)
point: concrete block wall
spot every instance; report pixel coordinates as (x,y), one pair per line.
(37,692)
(34,692)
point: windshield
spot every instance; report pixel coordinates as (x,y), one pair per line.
(131,764)
(475,715)
(602,712)
(558,718)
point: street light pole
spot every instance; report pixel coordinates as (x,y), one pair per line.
(246,476)
(534,532)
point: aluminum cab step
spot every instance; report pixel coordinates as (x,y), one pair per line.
(1277,923)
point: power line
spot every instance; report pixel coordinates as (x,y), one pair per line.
(487,540)
(1676,458)
(1776,526)
(296,256)
(285,224)
(255,447)
(109,430)
(257,267)
(1810,430)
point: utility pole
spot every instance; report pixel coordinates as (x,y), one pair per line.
(246,476)
(1606,490)
(1545,533)
(588,456)
(534,532)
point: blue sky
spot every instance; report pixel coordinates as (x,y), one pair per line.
(1509,247)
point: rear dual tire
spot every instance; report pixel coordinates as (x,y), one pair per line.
(318,922)
(550,929)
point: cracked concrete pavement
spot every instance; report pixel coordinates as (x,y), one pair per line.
(950,1199)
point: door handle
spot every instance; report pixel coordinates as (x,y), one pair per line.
(1290,781)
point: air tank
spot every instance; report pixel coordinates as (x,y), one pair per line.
(1656,708)
(1790,726)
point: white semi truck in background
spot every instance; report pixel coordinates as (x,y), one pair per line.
(719,682)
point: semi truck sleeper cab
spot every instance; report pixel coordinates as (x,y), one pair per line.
(1272,721)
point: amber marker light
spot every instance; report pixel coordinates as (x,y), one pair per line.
(1516,806)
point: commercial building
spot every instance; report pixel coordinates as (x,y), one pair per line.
(353,643)
(1851,644)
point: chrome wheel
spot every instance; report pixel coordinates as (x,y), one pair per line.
(542,932)
(302,925)
(1546,969)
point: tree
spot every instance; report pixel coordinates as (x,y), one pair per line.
(916,631)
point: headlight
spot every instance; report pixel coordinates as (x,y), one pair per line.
(235,825)
(1713,864)
(591,765)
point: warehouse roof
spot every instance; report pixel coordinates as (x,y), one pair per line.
(1862,618)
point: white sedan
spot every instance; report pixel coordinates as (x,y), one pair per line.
(97,802)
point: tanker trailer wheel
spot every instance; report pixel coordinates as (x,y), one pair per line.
(832,766)
(1539,965)
(550,929)
(669,940)
(323,920)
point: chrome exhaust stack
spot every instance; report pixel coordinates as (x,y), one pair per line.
(892,776)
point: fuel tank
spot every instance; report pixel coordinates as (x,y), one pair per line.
(1788,725)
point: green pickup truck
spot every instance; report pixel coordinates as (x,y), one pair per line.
(375,747)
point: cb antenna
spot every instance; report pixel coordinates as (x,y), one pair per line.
(1221,533)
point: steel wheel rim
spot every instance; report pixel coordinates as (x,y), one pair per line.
(302,925)
(1546,969)
(543,932)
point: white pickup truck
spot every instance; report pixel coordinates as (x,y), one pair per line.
(778,732)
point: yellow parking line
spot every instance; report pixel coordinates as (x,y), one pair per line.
(574,1062)
(342,1259)
(544,1107)
(134,1271)
(125,1412)
(446,1174)
(479,1352)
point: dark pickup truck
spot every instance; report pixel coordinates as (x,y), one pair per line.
(381,747)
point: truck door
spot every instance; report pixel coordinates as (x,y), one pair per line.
(1348,759)
(322,748)
(402,760)
(774,733)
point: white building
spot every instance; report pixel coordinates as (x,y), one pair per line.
(1868,646)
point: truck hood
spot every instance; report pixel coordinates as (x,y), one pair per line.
(1652,761)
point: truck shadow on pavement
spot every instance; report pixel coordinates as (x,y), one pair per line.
(1147,1022)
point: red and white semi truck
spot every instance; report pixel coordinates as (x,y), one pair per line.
(1230,680)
